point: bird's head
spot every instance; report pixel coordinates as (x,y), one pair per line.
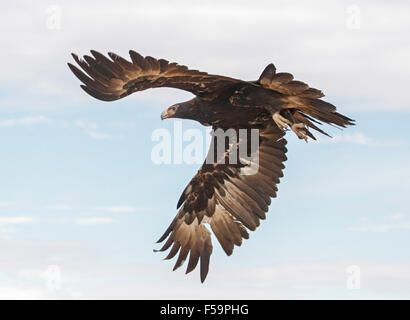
(181,110)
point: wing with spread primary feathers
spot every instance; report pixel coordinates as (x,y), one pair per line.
(227,199)
(111,79)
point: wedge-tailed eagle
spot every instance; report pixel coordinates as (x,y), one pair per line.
(219,195)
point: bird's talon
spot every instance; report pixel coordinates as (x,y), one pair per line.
(281,121)
(300,130)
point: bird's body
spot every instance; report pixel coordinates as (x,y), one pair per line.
(227,195)
(222,114)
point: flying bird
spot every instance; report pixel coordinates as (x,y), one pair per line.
(222,194)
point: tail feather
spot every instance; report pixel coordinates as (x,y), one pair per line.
(310,111)
(301,117)
(302,101)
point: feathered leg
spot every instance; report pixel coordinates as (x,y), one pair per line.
(297,127)
(281,121)
(300,130)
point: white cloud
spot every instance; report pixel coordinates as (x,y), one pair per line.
(34,283)
(122,124)
(5,204)
(95,221)
(21,293)
(90,276)
(90,129)
(35,292)
(16,220)
(345,63)
(396,223)
(27,121)
(85,124)
(98,135)
(119,209)
(26,263)
(6,232)
(358,138)
(353,138)
(295,280)
(397,216)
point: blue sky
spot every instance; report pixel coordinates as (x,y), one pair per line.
(80,192)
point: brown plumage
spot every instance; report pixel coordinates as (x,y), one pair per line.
(222,194)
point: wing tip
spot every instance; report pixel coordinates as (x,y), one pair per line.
(75,56)
(181,201)
(112,55)
(94,52)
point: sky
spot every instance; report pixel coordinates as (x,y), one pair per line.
(82,202)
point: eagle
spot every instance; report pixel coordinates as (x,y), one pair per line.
(222,194)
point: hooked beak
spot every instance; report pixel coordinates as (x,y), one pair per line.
(169,113)
(164,114)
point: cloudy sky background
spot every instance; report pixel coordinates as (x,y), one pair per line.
(82,204)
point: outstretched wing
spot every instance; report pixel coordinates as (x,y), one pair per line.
(111,79)
(226,198)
